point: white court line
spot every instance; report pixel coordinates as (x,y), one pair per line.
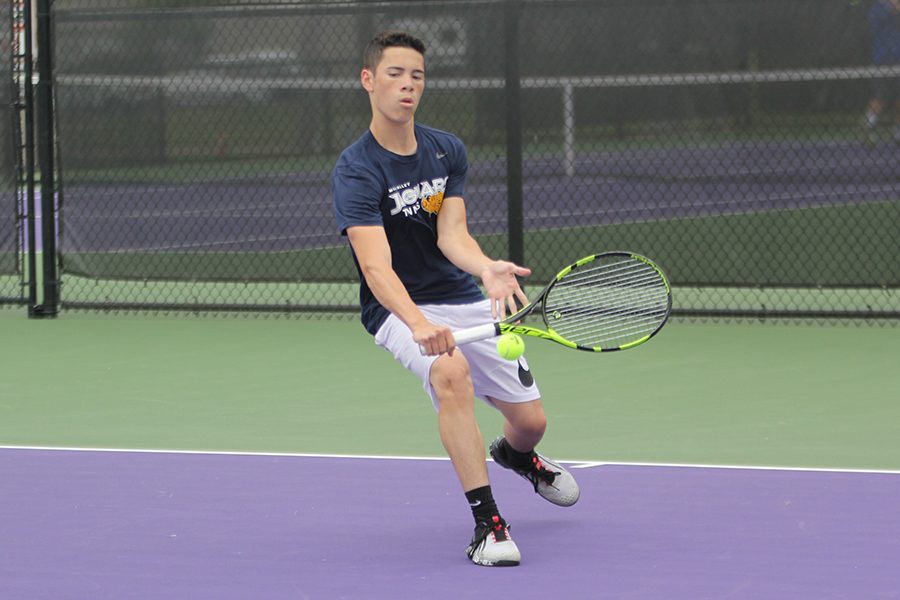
(218,452)
(575,464)
(587,465)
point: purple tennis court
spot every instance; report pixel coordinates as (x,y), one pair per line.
(115,524)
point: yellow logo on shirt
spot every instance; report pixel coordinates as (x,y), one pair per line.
(433,203)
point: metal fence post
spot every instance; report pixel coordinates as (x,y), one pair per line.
(46,144)
(27,109)
(515,218)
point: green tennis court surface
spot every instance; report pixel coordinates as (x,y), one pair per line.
(807,395)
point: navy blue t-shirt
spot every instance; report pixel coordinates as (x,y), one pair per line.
(404,194)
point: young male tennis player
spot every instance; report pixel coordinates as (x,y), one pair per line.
(398,196)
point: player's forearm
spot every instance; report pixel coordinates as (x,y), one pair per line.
(464,252)
(391,293)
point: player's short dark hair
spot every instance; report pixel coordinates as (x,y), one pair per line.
(389,39)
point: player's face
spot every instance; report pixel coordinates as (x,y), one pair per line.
(397,84)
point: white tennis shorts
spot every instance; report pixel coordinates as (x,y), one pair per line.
(492,376)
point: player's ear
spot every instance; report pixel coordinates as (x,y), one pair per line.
(366,77)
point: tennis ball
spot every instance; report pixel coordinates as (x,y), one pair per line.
(510,346)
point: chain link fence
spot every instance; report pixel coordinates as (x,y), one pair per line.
(11,231)
(726,139)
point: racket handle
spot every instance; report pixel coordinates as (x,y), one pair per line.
(472,334)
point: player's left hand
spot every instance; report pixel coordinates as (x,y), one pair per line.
(503,288)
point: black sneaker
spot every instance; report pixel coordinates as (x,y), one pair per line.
(491,545)
(549,478)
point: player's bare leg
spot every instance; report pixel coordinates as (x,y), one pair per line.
(491,544)
(456,419)
(873,113)
(525,423)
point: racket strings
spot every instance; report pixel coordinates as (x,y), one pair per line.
(622,293)
(621,315)
(606,327)
(608,324)
(608,305)
(636,295)
(619,328)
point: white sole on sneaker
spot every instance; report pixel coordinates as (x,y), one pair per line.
(502,554)
(494,548)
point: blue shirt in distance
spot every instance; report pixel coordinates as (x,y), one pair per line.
(404,194)
(884,24)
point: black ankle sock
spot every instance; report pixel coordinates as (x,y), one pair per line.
(516,459)
(481,501)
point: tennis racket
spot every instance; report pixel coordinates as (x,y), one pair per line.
(603,302)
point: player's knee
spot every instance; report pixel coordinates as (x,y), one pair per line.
(451,378)
(530,420)
(536,426)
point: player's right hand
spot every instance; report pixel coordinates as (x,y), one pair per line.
(435,339)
